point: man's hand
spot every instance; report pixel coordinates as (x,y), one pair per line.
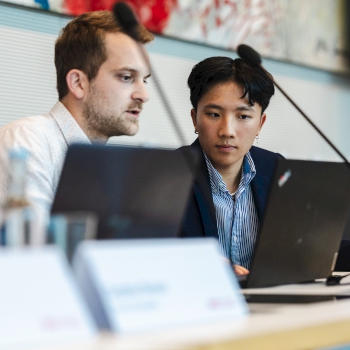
(240,270)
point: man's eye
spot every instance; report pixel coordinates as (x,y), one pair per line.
(215,115)
(244,116)
(125,77)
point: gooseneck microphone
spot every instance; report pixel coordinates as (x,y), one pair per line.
(249,55)
(127,20)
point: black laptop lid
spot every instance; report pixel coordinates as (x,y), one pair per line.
(136,192)
(346,234)
(303,224)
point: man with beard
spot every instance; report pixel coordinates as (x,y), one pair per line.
(101,77)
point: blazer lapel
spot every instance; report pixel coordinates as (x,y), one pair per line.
(202,192)
(260,188)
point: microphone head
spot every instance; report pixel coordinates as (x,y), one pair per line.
(125,17)
(249,55)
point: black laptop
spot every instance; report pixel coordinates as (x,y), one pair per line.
(304,221)
(135,192)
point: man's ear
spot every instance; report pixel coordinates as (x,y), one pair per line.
(77,83)
(262,121)
(194,117)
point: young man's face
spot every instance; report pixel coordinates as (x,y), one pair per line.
(116,95)
(227,125)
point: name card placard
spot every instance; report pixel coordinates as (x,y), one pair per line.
(148,285)
(40,302)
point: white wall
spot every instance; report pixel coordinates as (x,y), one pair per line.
(27,87)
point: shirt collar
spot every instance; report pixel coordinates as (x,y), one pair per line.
(70,129)
(248,173)
(249,169)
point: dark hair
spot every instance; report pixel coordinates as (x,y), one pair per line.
(255,82)
(81,45)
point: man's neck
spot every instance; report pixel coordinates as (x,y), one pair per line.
(76,112)
(231,176)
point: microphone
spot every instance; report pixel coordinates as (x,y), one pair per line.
(125,17)
(249,55)
(252,57)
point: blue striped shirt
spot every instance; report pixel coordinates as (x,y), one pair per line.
(236,216)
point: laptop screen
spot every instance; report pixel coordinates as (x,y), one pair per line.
(304,221)
(135,192)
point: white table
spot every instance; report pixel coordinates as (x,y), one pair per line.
(285,327)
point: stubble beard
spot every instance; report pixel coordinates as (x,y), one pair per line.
(101,123)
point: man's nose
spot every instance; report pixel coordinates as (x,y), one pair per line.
(140,92)
(227,127)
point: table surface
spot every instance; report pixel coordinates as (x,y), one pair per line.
(268,326)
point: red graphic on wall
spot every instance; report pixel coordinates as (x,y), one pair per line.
(153,14)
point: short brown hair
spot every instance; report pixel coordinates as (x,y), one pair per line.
(81,45)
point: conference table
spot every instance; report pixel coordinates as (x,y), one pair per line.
(268,326)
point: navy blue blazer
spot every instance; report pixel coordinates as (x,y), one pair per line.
(199,219)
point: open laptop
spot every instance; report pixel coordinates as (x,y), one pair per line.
(346,234)
(135,192)
(304,221)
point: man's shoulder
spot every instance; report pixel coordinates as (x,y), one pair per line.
(264,160)
(257,152)
(194,147)
(193,152)
(35,132)
(38,124)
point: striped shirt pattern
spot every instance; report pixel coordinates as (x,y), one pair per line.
(236,216)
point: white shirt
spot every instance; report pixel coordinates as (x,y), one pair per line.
(47,138)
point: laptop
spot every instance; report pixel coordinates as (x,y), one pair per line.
(135,192)
(304,221)
(343,261)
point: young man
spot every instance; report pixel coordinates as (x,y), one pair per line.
(101,76)
(229,194)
